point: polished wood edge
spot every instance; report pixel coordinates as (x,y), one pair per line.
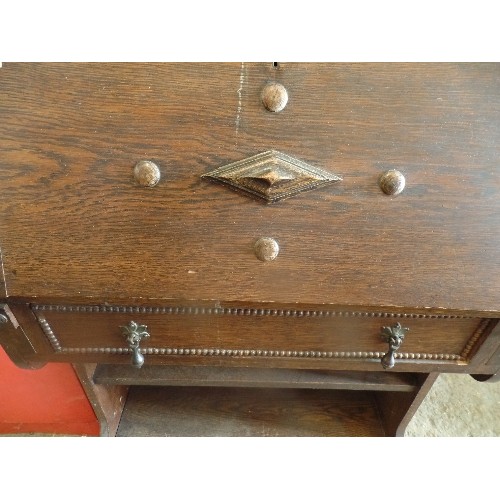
(360,364)
(252,377)
(98,301)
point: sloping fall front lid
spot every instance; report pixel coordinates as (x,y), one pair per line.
(75,223)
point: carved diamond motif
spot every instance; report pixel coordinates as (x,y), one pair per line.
(271,176)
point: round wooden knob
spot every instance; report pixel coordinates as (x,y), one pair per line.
(274,97)
(392,182)
(266,249)
(147,173)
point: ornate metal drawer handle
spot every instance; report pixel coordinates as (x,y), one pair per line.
(394,336)
(134,333)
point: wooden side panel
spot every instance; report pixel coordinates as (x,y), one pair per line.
(485,353)
(107,401)
(18,345)
(398,409)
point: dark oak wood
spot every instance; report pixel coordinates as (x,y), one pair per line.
(490,355)
(85,248)
(15,341)
(107,401)
(71,133)
(3,287)
(284,332)
(484,352)
(396,410)
(39,344)
(201,376)
(332,328)
(219,412)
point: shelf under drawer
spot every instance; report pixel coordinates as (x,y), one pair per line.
(244,412)
(207,376)
(208,401)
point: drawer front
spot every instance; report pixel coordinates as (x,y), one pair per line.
(206,333)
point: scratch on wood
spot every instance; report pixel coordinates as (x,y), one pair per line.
(242,80)
(3,273)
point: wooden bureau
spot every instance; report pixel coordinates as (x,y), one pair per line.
(219,240)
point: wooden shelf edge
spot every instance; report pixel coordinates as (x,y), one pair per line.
(207,376)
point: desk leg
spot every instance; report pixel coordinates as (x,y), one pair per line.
(397,409)
(107,401)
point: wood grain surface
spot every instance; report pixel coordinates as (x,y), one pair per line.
(74,223)
(343,333)
(207,376)
(217,412)
(107,401)
(15,339)
(397,410)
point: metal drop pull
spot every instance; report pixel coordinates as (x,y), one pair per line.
(134,333)
(394,336)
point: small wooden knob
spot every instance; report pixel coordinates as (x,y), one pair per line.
(274,97)
(147,173)
(392,182)
(266,249)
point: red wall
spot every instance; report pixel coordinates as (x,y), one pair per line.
(49,400)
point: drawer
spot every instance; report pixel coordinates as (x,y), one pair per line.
(208,334)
